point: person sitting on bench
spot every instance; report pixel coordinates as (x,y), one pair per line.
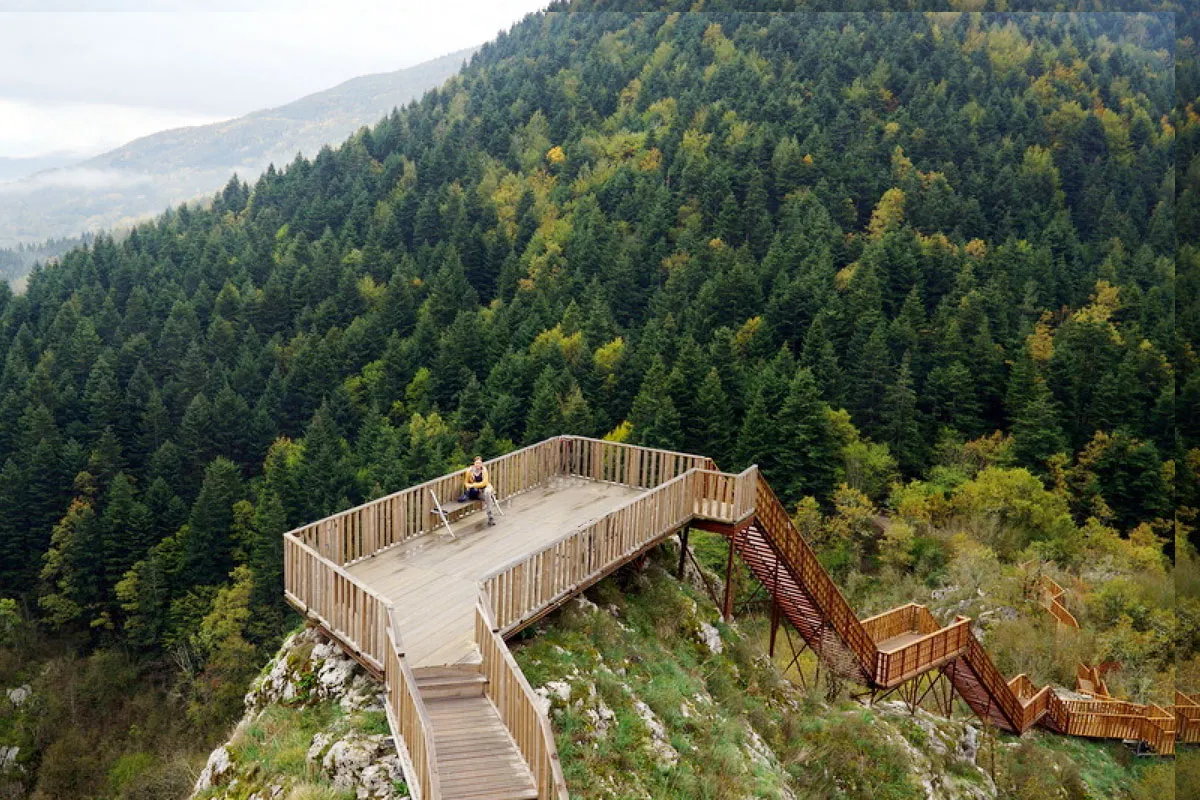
(479,487)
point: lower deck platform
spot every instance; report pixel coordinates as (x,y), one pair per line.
(433,580)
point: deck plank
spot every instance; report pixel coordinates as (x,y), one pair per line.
(477,758)
(433,580)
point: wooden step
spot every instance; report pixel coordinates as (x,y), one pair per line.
(477,758)
(439,683)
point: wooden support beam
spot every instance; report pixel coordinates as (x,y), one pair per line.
(727,607)
(708,587)
(683,550)
(774,625)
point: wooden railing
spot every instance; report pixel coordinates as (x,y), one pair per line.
(1035,703)
(891,623)
(1037,706)
(373,527)
(1089,681)
(1159,729)
(345,606)
(1052,595)
(515,700)
(529,587)
(1106,719)
(931,650)
(1187,718)
(778,527)
(1022,686)
(725,498)
(625,464)
(992,681)
(408,718)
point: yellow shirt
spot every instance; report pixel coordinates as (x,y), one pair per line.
(483,482)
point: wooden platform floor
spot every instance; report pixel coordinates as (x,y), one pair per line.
(433,580)
(897,642)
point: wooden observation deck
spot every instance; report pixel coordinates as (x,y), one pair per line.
(428,611)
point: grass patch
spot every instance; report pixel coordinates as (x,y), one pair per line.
(274,750)
(278,741)
(372,723)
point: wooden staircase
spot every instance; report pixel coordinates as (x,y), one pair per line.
(907,643)
(477,758)
(797,602)
(984,689)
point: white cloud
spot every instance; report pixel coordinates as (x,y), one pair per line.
(29,129)
(79,178)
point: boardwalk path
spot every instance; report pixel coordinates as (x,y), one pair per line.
(428,611)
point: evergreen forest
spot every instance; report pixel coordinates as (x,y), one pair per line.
(924,264)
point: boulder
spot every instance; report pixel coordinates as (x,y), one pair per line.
(216,772)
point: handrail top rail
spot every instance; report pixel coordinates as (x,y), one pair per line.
(483,605)
(628,446)
(519,450)
(484,601)
(587,524)
(418,705)
(890,611)
(921,639)
(424,485)
(707,471)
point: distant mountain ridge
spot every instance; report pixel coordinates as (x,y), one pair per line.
(148,174)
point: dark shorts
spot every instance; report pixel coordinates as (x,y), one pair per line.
(474,494)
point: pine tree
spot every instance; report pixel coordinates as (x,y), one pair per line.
(194,438)
(72,567)
(229,422)
(714,430)
(1037,432)
(545,418)
(953,401)
(266,565)
(902,423)
(869,381)
(102,397)
(663,428)
(758,437)
(653,415)
(125,529)
(820,358)
(206,552)
(807,448)
(577,415)
(326,474)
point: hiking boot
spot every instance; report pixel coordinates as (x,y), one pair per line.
(491,522)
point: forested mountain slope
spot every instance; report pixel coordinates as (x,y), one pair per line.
(703,231)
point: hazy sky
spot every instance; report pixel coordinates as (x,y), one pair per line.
(84,77)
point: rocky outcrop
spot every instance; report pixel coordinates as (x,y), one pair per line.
(310,677)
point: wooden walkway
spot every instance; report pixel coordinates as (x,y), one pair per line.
(428,612)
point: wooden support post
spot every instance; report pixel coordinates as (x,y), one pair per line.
(727,611)
(683,550)
(708,587)
(774,624)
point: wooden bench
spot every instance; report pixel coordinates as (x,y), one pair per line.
(457,509)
